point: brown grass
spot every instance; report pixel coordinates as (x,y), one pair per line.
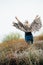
(15,48)
(40,37)
(15,44)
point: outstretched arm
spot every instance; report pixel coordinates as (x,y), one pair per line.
(23,26)
(17,19)
(19,22)
(36,24)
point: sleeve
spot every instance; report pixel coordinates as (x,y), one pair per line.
(36,24)
(22,27)
(19,27)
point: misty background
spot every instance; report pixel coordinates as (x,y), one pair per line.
(23,9)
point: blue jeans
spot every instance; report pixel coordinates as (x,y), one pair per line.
(29,39)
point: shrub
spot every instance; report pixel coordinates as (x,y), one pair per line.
(11,36)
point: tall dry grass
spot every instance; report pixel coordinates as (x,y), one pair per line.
(39,37)
(18,52)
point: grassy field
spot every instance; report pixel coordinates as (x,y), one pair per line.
(40,37)
(18,52)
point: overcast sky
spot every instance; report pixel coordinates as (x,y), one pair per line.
(23,9)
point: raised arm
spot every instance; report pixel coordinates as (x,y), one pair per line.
(20,24)
(17,19)
(36,24)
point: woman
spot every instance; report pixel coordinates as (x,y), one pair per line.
(28,35)
(28,29)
